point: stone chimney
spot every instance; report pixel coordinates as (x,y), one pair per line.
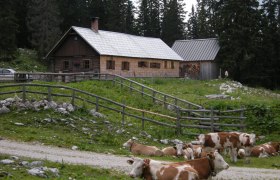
(94,24)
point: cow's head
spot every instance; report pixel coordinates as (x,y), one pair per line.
(217,162)
(179,149)
(128,143)
(138,166)
(247,139)
(252,139)
(201,139)
(276,145)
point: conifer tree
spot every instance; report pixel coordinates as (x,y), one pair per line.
(43,22)
(8,30)
(173,25)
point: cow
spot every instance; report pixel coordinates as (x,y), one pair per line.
(188,153)
(204,168)
(265,150)
(224,140)
(155,170)
(176,150)
(140,149)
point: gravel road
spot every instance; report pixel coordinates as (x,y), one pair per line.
(32,150)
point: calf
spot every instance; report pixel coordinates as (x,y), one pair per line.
(265,150)
(176,150)
(138,149)
(151,169)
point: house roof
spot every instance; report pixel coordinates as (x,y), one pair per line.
(197,49)
(120,44)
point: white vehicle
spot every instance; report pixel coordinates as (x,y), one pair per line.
(7,74)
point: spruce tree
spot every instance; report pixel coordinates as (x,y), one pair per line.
(192,26)
(173,25)
(43,22)
(8,30)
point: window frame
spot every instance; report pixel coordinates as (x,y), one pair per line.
(86,62)
(125,66)
(110,64)
(64,65)
(143,64)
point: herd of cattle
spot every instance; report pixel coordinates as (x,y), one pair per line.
(203,160)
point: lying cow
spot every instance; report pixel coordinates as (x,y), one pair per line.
(224,140)
(204,168)
(265,150)
(150,169)
(140,149)
(176,150)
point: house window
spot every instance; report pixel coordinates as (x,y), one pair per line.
(172,64)
(66,65)
(155,65)
(110,64)
(86,64)
(143,64)
(125,65)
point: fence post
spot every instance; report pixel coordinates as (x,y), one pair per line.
(175,101)
(73,98)
(23,93)
(121,83)
(154,95)
(164,101)
(143,121)
(130,86)
(212,119)
(241,119)
(178,123)
(97,104)
(123,111)
(49,94)
(114,80)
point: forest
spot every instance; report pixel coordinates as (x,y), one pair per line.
(248,30)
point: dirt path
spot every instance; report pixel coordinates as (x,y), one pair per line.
(111,161)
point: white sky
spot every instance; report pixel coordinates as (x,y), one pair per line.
(189,3)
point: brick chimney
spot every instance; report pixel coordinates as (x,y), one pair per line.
(94,24)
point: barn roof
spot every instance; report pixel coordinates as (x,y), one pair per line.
(197,49)
(126,45)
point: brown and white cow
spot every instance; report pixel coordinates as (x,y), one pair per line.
(224,140)
(140,149)
(204,168)
(176,150)
(265,150)
(150,169)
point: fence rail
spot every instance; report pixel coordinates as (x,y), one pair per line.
(211,120)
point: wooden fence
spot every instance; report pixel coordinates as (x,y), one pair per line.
(168,101)
(178,123)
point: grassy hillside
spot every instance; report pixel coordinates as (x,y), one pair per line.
(107,135)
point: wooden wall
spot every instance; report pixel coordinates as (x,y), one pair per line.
(203,70)
(135,71)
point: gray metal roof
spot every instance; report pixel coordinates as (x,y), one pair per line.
(197,49)
(120,44)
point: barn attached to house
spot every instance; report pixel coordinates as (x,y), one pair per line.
(200,56)
(94,50)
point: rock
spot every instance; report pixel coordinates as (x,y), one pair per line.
(54,171)
(24,163)
(170,107)
(7,161)
(52,104)
(217,96)
(70,108)
(14,158)
(134,138)
(74,148)
(120,131)
(4,110)
(85,129)
(62,111)
(19,124)
(38,171)
(4,174)
(107,122)
(96,114)
(177,141)
(36,163)
(164,141)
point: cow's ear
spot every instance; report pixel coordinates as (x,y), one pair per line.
(130,161)
(175,147)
